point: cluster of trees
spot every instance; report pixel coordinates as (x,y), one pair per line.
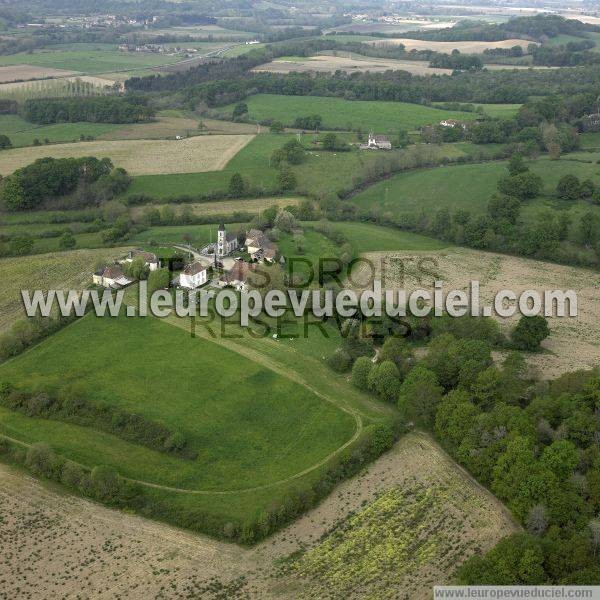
(291,152)
(311,122)
(537,27)
(456,61)
(570,188)
(94,180)
(529,133)
(68,404)
(570,55)
(536,448)
(95,109)
(381,360)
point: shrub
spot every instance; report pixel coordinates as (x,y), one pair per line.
(384,380)
(529,333)
(41,460)
(360,372)
(72,474)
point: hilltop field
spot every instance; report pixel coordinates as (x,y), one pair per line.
(382,117)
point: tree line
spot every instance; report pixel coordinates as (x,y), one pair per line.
(98,109)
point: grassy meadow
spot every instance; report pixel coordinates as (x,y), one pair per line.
(367,237)
(250,425)
(23,133)
(470,187)
(88,60)
(381,117)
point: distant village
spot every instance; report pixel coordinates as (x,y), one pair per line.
(224,263)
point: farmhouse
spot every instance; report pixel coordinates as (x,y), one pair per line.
(194,275)
(238,276)
(226,242)
(111,277)
(150,259)
(260,247)
(376,142)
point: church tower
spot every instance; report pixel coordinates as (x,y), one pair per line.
(221,241)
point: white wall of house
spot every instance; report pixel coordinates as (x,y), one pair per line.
(193,281)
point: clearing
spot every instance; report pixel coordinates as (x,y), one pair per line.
(104,552)
(350,64)
(470,47)
(138,157)
(574,342)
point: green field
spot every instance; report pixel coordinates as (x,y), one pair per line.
(22,133)
(241,50)
(88,61)
(381,117)
(250,425)
(470,187)
(321,172)
(366,237)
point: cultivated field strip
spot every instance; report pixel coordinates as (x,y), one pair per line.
(140,157)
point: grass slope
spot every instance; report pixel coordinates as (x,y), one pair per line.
(382,117)
(470,187)
(250,425)
(22,133)
(366,237)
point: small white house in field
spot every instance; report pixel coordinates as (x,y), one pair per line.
(111,277)
(149,258)
(194,275)
(376,142)
(452,123)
